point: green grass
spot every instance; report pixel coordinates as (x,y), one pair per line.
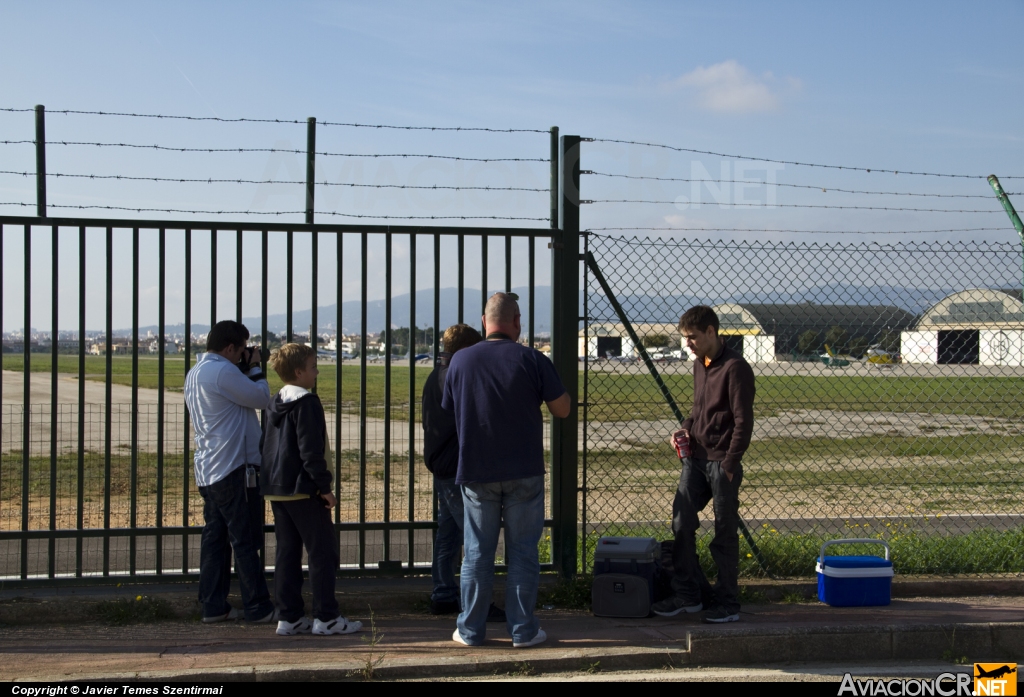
(793,555)
(174,377)
(622,397)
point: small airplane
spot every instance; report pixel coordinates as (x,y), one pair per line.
(876,354)
(995,672)
(830,359)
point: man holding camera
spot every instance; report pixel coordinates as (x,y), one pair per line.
(222,392)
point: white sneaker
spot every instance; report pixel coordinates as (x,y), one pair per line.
(339,625)
(299,626)
(539,638)
(232,614)
(457,638)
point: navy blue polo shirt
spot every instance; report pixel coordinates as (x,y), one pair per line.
(496,389)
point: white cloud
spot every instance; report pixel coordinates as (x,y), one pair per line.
(730,87)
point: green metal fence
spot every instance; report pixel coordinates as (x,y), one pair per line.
(890,383)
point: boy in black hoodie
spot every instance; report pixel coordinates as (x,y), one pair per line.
(296,481)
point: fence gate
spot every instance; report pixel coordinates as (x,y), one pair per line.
(890,396)
(96,453)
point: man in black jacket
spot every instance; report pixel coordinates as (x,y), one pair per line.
(718,430)
(441,454)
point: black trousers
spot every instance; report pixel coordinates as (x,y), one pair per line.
(297,524)
(702,481)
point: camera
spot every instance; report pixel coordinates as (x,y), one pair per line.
(250,355)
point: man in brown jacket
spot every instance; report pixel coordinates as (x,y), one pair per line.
(719,430)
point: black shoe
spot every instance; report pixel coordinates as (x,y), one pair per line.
(495,614)
(719,615)
(445,607)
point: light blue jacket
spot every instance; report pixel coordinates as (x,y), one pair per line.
(222,401)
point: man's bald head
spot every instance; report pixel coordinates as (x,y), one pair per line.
(501,314)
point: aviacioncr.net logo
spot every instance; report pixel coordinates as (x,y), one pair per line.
(945,685)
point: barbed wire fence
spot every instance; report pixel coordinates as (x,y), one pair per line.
(888,374)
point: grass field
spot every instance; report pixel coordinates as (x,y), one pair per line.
(622,397)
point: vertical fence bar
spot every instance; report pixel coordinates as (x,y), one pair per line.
(3,238)
(40,160)
(264,241)
(586,402)
(161,365)
(289,237)
(412,395)
(310,170)
(483,277)
(565,256)
(80,515)
(437,297)
(436,348)
(213,277)
(107,399)
(51,561)
(461,254)
(26,399)
(315,282)
(186,435)
(387,395)
(362,404)
(508,263)
(532,299)
(238,276)
(338,360)
(133,503)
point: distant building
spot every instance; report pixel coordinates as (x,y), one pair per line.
(975,326)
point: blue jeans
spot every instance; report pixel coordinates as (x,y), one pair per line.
(232,513)
(448,541)
(520,504)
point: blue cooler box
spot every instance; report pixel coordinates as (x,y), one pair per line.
(854,581)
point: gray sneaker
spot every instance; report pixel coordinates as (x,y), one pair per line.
(719,615)
(672,606)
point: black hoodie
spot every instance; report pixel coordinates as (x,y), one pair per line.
(293,448)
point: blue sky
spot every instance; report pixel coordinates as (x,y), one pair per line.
(909,86)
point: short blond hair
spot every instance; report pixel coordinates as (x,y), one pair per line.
(458,337)
(289,358)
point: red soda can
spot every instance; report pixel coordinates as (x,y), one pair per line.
(682,443)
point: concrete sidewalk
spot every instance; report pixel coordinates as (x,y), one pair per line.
(417,645)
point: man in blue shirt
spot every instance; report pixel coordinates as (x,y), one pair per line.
(495,389)
(223,392)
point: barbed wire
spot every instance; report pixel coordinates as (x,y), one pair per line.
(251,212)
(823,189)
(817,232)
(280,181)
(793,162)
(924,247)
(285,121)
(803,205)
(281,150)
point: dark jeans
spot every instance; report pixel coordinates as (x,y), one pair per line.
(448,541)
(234,517)
(702,481)
(306,522)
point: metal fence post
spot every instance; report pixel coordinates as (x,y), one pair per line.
(1014,218)
(565,291)
(310,169)
(40,160)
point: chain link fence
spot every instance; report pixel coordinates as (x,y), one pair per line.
(889,396)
